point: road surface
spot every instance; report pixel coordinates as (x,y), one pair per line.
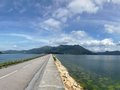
(31,75)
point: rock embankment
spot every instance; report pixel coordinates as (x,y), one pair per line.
(69,82)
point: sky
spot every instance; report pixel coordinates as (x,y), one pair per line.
(93,24)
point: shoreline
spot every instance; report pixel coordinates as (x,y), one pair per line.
(68,81)
(10,63)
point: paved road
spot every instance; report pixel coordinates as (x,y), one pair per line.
(51,79)
(26,76)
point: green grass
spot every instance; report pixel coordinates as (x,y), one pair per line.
(54,58)
(9,63)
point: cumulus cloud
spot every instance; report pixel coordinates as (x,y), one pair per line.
(82,38)
(79,34)
(54,16)
(112,29)
(15,46)
(75,7)
(107,42)
(79,6)
(51,24)
(62,14)
(101,2)
(70,9)
(116,1)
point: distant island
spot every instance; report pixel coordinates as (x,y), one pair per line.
(109,53)
(0,52)
(63,49)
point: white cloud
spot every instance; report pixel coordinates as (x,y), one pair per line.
(79,34)
(72,9)
(15,46)
(107,42)
(85,39)
(101,2)
(75,7)
(80,6)
(116,1)
(51,24)
(82,38)
(62,14)
(112,29)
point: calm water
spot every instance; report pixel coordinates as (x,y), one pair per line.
(13,57)
(96,65)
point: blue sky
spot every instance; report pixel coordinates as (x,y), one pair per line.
(26,24)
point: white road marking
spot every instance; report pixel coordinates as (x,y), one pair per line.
(50,86)
(8,74)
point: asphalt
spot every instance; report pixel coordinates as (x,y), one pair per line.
(37,74)
(51,79)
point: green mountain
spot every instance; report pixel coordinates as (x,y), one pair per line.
(62,49)
(45,49)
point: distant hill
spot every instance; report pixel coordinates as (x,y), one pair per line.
(0,52)
(109,53)
(62,49)
(45,49)
(14,51)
